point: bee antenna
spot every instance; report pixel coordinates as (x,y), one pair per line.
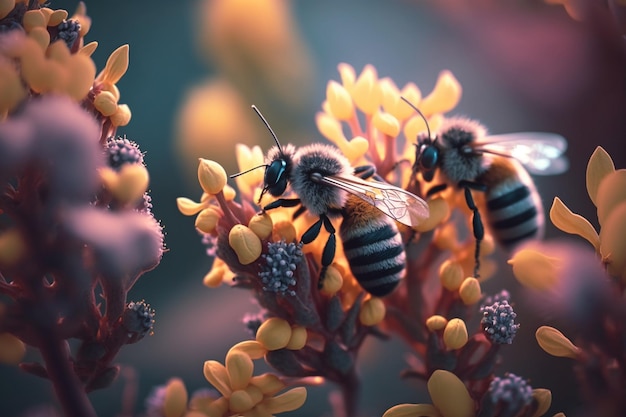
(258,112)
(247,170)
(418,112)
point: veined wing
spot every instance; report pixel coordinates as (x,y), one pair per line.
(395,202)
(540,152)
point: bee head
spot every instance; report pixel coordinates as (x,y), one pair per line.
(277,175)
(427,157)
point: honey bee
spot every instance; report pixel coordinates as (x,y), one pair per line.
(467,158)
(326,185)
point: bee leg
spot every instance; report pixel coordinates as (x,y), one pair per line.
(298,212)
(477,224)
(328,255)
(436,189)
(282,202)
(365,171)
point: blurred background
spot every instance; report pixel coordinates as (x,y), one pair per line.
(196,66)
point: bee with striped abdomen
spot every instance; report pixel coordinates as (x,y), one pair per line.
(326,185)
(465,157)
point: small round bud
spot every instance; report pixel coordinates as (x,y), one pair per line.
(446,237)
(439,210)
(175,401)
(436,322)
(444,97)
(261,224)
(372,312)
(451,275)
(33,19)
(449,395)
(211,175)
(274,333)
(455,334)
(333,281)
(105,103)
(245,243)
(12,349)
(207,220)
(284,230)
(339,101)
(387,124)
(298,338)
(470,291)
(215,277)
(122,115)
(366,91)
(239,367)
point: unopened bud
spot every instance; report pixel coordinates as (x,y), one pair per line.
(211,175)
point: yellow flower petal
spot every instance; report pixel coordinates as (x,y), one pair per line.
(339,101)
(439,210)
(81,15)
(5,7)
(386,123)
(333,280)
(543,397)
(451,275)
(274,333)
(535,270)
(33,19)
(216,374)
(298,338)
(41,36)
(412,93)
(105,103)
(470,291)
(455,334)
(175,401)
(57,17)
(355,148)
(211,175)
(188,207)
(81,73)
(366,91)
(569,222)
(215,277)
(116,65)
(555,343)
(372,311)
(412,410)
(269,384)
(129,184)
(252,348)
(289,401)
(613,242)
(12,349)
(330,128)
(88,49)
(122,116)
(348,75)
(245,243)
(436,322)
(207,220)
(240,401)
(611,192)
(240,368)
(600,165)
(449,395)
(444,97)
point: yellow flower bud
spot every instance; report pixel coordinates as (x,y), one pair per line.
(339,101)
(122,116)
(330,128)
(105,103)
(555,343)
(175,401)
(449,395)
(269,384)
(611,192)
(444,97)
(245,243)
(543,397)
(59,52)
(215,277)
(439,210)
(386,123)
(470,291)
(436,322)
(412,410)
(569,222)
(116,66)
(12,349)
(57,17)
(41,36)
(298,338)
(412,93)
(451,275)
(188,207)
(261,224)
(252,348)
(455,334)
(240,401)
(347,74)
(355,148)
(81,15)
(33,19)
(239,367)
(332,281)
(207,220)
(128,185)
(88,49)
(218,407)
(600,165)
(5,7)
(211,175)
(12,247)
(229,193)
(289,401)
(613,242)
(535,270)
(372,312)
(274,333)
(366,91)
(216,374)
(446,237)
(81,72)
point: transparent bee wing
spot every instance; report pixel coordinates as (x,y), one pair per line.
(395,202)
(541,153)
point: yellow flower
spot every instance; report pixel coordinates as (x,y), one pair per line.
(449,395)
(455,334)
(245,243)
(212,176)
(372,312)
(535,270)
(274,333)
(436,322)
(245,394)
(555,343)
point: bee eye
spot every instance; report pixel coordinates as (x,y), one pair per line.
(275,177)
(428,158)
